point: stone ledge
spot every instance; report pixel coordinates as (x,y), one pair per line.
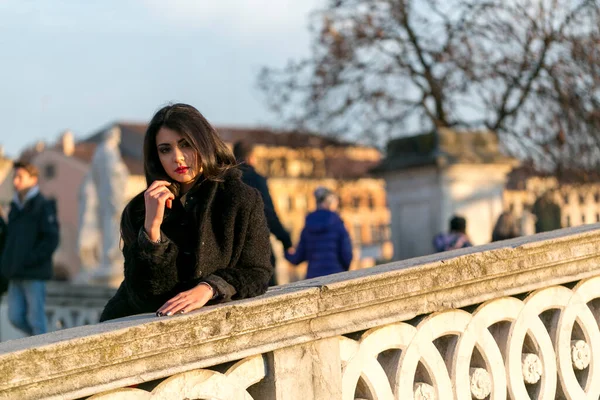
(82,361)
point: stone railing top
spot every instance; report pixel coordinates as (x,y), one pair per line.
(90,359)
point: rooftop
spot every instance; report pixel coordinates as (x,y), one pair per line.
(446,148)
(132,136)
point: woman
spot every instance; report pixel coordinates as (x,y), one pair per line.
(507,227)
(324,241)
(197,235)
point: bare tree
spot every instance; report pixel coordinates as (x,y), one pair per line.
(526,69)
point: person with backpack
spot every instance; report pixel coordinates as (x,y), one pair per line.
(456,238)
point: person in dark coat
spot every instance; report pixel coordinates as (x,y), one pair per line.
(548,213)
(197,235)
(3,227)
(244,154)
(324,241)
(31,239)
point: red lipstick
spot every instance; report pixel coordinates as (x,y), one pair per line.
(182,170)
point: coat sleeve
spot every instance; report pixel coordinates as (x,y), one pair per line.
(300,253)
(2,234)
(345,247)
(250,275)
(273,221)
(150,268)
(48,237)
(150,273)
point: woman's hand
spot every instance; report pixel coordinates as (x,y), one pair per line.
(187,301)
(156,197)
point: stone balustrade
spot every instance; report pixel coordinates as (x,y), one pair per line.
(67,306)
(512,320)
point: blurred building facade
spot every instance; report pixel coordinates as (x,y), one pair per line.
(391,206)
(295,163)
(433,176)
(576,193)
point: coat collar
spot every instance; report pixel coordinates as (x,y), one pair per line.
(34,191)
(204,184)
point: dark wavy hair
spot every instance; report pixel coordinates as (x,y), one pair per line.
(212,155)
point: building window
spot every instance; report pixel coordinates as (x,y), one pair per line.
(380,233)
(371,201)
(597,217)
(357,234)
(597,197)
(356,202)
(49,171)
(290,203)
(568,220)
(375,234)
(583,219)
(581,199)
(566,198)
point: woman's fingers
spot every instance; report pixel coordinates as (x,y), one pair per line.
(167,198)
(165,195)
(185,302)
(156,184)
(162,196)
(155,192)
(174,308)
(156,198)
(170,305)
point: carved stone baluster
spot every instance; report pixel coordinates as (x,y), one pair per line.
(308,371)
(580,354)
(532,368)
(481,383)
(424,391)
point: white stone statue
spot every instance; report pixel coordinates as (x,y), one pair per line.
(88,234)
(108,176)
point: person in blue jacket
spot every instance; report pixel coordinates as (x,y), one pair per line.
(324,241)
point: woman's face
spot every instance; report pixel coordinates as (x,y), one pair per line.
(177,156)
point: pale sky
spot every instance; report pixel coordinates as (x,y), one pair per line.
(81,64)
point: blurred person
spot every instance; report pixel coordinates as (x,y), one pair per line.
(456,238)
(548,214)
(244,154)
(507,227)
(324,241)
(3,280)
(197,235)
(31,239)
